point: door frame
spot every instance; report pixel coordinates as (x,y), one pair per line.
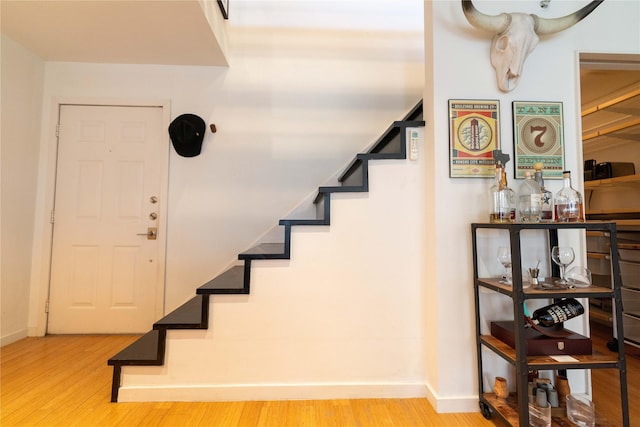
(43,228)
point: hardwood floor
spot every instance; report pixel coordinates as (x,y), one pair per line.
(606,382)
(65,381)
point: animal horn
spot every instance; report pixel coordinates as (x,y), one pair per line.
(549,26)
(494,23)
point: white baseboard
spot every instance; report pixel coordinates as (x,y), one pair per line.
(221,393)
(454,404)
(13,337)
(230,393)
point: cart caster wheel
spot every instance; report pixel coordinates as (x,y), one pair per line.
(486,410)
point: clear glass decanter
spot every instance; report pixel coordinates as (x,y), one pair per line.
(568,202)
(546,214)
(503,198)
(529,199)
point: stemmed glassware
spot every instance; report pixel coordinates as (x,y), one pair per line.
(563,256)
(504,257)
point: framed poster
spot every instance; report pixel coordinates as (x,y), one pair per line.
(473,135)
(538,137)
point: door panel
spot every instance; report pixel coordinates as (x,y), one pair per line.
(105,271)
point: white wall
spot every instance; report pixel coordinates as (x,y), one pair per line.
(22,85)
(304,94)
(461,69)
(341,319)
(309,84)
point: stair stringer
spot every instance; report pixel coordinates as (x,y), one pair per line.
(149,350)
(340,318)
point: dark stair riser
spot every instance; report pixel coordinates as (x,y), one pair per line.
(391,145)
(233,281)
(147,350)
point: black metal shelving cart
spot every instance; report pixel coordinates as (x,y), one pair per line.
(514,410)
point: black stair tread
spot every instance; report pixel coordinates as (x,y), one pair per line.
(344,189)
(231,281)
(143,351)
(265,251)
(188,316)
(412,123)
(303,222)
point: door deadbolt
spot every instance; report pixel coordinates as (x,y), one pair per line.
(152,233)
(153,215)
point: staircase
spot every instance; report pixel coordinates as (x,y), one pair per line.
(149,350)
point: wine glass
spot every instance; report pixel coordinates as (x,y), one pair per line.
(504,257)
(563,256)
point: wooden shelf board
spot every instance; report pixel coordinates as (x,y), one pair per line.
(585,359)
(628,126)
(508,409)
(611,212)
(627,96)
(627,179)
(494,283)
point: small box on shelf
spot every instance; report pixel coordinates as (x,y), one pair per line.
(538,344)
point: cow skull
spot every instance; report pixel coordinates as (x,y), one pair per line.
(516,35)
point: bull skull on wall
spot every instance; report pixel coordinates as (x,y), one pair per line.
(516,35)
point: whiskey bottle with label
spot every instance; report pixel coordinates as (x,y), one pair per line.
(529,199)
(502,198)
(568,202)
(546,214)
(558,312)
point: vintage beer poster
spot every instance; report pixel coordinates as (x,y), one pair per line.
(473,135)
(538,137)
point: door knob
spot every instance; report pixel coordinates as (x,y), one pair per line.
(152,233)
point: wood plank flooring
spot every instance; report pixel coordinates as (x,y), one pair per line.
(45,383)
(606,382)
(65,381)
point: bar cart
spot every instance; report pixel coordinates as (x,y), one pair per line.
(514,410)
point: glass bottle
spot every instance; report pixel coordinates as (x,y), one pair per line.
(503,198)
(547,197)
(568,202)
(529,199)
(557,312)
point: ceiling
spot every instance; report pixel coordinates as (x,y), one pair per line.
(172,32)
(176,32)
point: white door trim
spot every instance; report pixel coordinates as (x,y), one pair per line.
(42,235)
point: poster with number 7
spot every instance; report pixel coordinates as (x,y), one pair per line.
(538,137)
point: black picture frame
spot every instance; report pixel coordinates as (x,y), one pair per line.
(474,134)
(538,136)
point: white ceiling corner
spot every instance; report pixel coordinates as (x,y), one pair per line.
(171,32)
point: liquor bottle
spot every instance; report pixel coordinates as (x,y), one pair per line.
(503,198)
(529,199)
(547,197)
(568,202)
(558,312)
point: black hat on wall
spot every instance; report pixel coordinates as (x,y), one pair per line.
(187,132)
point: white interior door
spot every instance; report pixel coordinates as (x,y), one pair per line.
(106,269)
